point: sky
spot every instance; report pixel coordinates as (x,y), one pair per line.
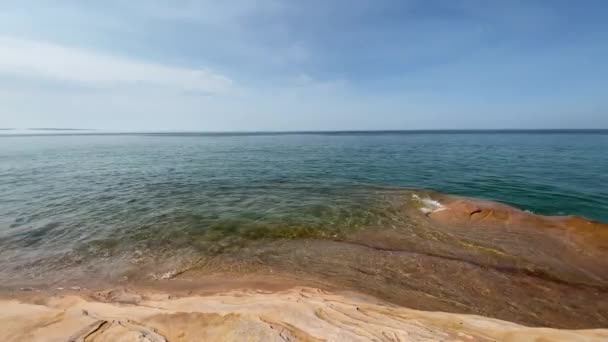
(271,65)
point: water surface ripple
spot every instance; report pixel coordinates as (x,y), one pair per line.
(68,199)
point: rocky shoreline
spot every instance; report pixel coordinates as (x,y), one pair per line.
(439,267)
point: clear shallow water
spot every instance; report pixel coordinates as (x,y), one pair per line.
(66,200)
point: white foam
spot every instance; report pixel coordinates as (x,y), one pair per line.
(429,205)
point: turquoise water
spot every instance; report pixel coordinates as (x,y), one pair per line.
(64,199)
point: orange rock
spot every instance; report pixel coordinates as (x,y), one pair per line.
(485,213)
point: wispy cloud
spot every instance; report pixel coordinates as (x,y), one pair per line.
(48,61)
(319,64)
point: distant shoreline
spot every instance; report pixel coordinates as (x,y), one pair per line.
(47,129)
(60,129)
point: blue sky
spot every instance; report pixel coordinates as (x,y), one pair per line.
(303,65)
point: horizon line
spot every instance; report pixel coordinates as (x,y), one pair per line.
(90,131)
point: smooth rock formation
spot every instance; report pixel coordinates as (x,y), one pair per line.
(479,212)
(299,314)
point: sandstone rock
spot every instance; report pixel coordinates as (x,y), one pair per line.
(299,314)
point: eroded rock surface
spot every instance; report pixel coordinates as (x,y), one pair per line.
(299,314)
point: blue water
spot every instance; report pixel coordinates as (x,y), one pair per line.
(78,194)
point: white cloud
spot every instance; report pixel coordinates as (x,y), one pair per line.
(27,58)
